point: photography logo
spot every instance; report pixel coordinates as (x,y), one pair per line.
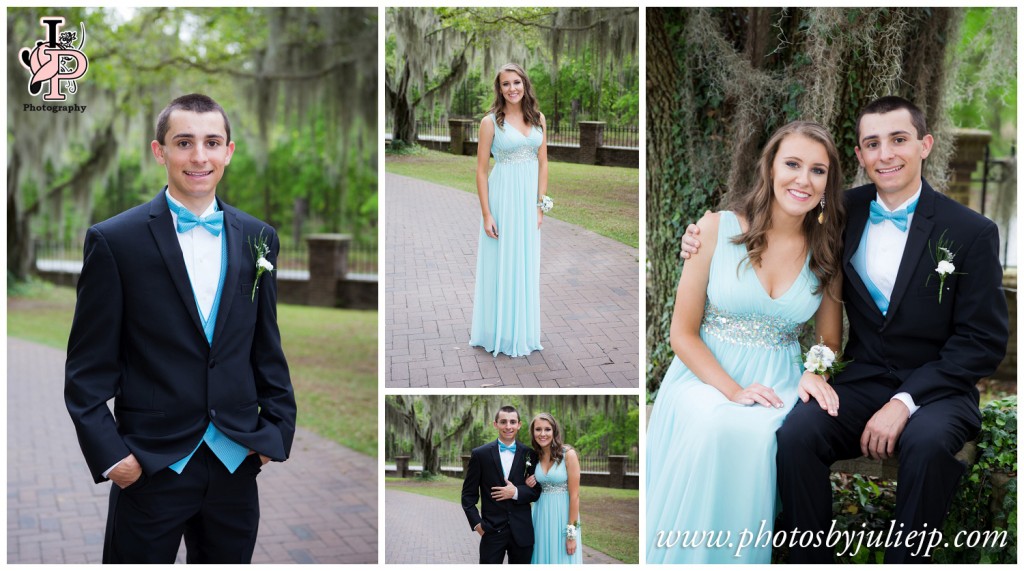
(55,60)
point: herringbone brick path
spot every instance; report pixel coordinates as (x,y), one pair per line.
(420,529)
(318,507)
(590,326)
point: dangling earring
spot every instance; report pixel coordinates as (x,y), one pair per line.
(821,215)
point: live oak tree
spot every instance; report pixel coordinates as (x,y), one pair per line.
(720,80)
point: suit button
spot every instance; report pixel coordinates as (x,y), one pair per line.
(213,363)
(213,413)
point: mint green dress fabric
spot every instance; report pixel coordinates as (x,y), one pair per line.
(506,301)
(550,516)
(711,462)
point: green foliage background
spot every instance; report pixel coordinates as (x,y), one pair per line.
(299,86)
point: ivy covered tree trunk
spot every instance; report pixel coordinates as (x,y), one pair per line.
(404,111)
(721,80)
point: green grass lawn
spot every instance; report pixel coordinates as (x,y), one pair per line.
(332,354)
(610,517)
(604,200)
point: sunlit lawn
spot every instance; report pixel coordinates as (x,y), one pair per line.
(610,517)
(605,200)
(332,354)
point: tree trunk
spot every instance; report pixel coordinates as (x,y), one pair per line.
(404,113)
(20,256)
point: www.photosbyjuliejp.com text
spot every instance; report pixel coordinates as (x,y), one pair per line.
(844,542)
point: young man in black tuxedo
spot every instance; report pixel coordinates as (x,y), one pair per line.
(497,472)
(918,342)
(175,324)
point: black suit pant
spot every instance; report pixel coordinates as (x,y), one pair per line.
(810,440)
(495,544)
(217,512)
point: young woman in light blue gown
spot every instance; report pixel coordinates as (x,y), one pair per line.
(506,302)
(765,268)
(558,474)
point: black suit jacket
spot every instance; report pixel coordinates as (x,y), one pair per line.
(931,350)
(137,338)
(483,473)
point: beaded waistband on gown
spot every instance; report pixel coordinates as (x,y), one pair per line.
(518,155)
(553,488)
(750,329)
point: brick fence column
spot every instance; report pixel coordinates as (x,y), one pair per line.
(459,129)
(465,464)
(616,471)
(402,466)
(328,265)
(969,147)
(591,137)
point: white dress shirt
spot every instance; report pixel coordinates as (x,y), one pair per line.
(202,253)
(883,252)
(506,466)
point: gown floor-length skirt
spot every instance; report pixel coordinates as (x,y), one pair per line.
(550,516)
(506,301)
(711,462)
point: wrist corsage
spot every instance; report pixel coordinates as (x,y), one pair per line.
(545,204)
(821,360)
(572,531)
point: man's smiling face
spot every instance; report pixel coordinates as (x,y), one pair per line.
(892,154)
(507,425)
(194,152)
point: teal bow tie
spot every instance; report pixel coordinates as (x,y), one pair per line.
(898,218)
(213,223)
(504,448)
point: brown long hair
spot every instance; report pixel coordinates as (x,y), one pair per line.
(557,445)
(825,241)
(531,112)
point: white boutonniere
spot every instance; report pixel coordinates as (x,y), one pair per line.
(572,530)
(820,359)
(260,250)
(943,256)
(546,204)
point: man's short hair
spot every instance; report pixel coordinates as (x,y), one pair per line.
(508,409)
(194,102)
(894,103)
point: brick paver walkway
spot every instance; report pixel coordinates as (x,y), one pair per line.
(421,529)
(590,326)
(318,507)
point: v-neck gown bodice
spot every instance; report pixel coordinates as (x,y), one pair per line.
(506,301)
(551,515)
(711,462)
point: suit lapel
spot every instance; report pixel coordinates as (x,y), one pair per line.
(855,223)
(235,261)
(917,240)
(517,460)
(161,225)
(496,456)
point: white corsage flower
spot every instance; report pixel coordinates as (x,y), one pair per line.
(546,204)
(943,256)
(821,360)
(260,249)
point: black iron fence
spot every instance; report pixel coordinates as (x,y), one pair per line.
(362,254)
(597,463)
(627,136)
